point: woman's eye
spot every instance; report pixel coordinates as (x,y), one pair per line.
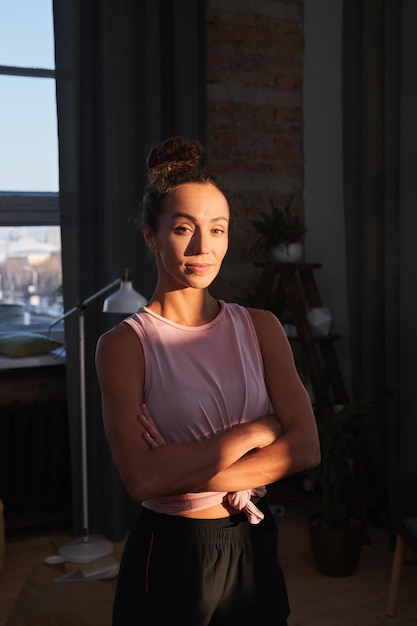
(218,231)
(182,229)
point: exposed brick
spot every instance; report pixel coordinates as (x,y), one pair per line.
(254,117)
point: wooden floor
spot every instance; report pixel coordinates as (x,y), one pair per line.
(357,600)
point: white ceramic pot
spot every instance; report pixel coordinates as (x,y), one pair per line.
(288,254)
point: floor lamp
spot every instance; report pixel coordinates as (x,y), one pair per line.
(125,300)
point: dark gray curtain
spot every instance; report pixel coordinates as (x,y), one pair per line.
(379,152)
(128,74)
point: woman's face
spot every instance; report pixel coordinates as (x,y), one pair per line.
(192,236)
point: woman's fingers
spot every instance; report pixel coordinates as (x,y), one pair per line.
(150,441)
(152,435)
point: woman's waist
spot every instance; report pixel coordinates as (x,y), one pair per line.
(203,505)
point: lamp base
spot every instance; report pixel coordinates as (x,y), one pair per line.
(85,550)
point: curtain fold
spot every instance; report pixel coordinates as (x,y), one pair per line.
(126,78)
(379,199)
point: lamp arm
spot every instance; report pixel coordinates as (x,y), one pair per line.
(84,303)
(96,295)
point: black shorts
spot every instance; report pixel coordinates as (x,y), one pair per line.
(193,572)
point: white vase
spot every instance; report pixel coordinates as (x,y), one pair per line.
(288,254)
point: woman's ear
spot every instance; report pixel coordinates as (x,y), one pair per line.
(150,238)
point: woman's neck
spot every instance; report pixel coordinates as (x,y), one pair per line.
(190,307)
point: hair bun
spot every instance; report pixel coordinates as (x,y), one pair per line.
(172,157)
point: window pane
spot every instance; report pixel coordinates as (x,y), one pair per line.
(30,275)
(28,134)
(26,33)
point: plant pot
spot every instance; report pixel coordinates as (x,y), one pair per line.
(336,551)
(288,254)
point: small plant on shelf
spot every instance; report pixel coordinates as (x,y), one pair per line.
(278,228)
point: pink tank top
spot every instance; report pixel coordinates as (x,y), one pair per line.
(199,381)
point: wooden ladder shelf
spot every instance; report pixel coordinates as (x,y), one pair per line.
(289,290)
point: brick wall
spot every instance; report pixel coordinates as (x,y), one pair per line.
(254,117)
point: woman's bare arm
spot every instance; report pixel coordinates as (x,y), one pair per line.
(170,469)
(298,448)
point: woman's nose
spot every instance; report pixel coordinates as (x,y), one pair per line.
(199,243)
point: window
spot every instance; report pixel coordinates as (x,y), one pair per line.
(30,246)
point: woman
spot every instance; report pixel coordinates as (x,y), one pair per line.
(202,408)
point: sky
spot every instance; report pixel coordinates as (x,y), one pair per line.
(28,122)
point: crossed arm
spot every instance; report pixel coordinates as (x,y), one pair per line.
(243,457)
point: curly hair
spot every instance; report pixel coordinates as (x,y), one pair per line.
(172,162)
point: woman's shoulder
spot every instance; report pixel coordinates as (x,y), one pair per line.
(266,324)
(119,353)
(258,316)
(263,321)
(118,340)
(261,314)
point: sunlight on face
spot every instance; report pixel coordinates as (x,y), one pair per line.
(192,237)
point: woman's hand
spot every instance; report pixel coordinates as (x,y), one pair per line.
(152,436)
(269,427)
(271,430)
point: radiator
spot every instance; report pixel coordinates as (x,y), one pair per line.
(34,456)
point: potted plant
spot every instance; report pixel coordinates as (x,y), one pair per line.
(337,533)
(280,232)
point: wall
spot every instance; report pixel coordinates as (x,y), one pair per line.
(34,444)
(32,384)
(274,128)
(254,117)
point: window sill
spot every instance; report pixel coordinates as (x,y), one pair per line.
(56,357)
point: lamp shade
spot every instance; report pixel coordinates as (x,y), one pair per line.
(124,300)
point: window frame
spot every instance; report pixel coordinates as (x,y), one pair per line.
(31,72)
(26,208)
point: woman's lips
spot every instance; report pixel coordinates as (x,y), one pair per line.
(198,267)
